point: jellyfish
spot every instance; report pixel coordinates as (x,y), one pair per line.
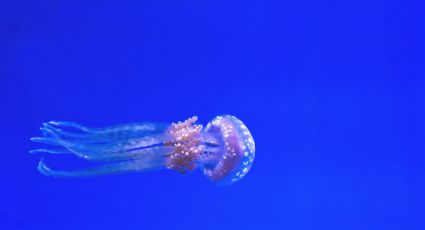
(224,150)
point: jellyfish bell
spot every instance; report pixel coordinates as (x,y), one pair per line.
(237,150)
(224,150)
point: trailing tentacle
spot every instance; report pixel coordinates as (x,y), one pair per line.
(106,169)
(113,146)
(111,134)
(144,126)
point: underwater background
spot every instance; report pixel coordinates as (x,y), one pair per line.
(333,93)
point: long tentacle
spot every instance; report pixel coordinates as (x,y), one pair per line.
(113,143)
(133,148)
(109,147)
(146,153)
(45,140)
(124,148)
(53,151)
(107,134)
(145,126)
(106,169)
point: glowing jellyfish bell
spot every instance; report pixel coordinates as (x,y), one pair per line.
(224,150)
(237,153)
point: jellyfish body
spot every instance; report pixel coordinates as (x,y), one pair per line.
(224,150)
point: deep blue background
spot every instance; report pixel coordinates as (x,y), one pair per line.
(332,91)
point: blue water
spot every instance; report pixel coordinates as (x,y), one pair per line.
(333,93)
